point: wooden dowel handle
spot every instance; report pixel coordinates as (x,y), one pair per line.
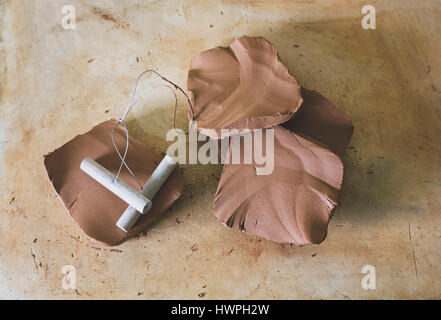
(150,189)
(134,198)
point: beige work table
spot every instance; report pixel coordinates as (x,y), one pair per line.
(57,83)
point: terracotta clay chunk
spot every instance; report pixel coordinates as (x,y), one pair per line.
(93,207)
(320,120)
(242,86)
(293,204)
(246,86)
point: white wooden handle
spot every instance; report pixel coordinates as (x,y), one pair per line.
(150,189)
(120,188)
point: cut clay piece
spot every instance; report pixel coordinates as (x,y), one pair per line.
(294,203)
(243,86)
(321,121)
(95,208)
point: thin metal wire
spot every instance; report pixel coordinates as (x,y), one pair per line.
(129,107)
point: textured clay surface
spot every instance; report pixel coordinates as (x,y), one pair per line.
(242,86)
(293,204)
(320,120)
(95,208)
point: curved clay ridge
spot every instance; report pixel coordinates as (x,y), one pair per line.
(93,207)
(243,86)
(291,205)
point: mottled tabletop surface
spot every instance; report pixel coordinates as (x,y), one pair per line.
(57,83)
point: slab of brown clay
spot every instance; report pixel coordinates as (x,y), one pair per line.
(320,120)
(95,208)
(291,205)
(241,86)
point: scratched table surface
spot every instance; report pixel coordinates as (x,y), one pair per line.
(57,83)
